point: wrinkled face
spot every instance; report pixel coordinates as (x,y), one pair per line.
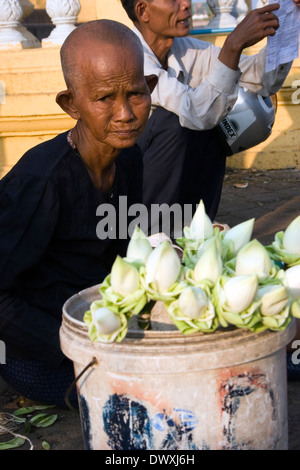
(113,100)
(170,18)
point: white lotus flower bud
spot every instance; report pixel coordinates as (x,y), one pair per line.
(253,258)
(162,267)
(292,276)
(193,302)
(240,292)
(291,237)
(124,277)
(139,247)
(274,299)
(201,226)
(209,265)
(240,234)
(105,321)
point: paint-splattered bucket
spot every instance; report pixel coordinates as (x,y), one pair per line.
(159,389)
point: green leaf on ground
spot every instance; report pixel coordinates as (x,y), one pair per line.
(43,420)
(23,411)
(45,445)
(12,444)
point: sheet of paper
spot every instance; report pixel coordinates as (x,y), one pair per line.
(283,47)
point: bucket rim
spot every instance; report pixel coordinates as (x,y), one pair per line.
(165,335)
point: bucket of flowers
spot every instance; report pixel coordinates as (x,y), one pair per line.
(220,279)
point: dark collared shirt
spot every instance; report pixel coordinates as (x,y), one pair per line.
(49,248)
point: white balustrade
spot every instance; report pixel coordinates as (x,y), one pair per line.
(31,40)
(223,17)
(2,92)
(63,14)
(261,3)
(240,10)
(11,13)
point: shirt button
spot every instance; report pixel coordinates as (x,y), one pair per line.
(229,108)
(111,195)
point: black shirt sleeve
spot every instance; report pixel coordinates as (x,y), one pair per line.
(29,209)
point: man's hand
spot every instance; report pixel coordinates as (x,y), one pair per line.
(297,2)
(257,25)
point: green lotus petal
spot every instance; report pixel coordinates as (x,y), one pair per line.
(258,327)
(116,336)
(246,319)
(191,247)
(190,254)
(276,326)
(181,242)
(131,308)
(272,280)
(278,319)
(189,259)
(229,270)
(278,253)
(205,284)
(227,249)
(241,322)
(207,323)
(174,291)
(295,308)
(229,267)
(133,303)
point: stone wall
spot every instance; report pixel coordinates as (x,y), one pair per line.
(31,78)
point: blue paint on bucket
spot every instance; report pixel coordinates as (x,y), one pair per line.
(187,419)
(127,424)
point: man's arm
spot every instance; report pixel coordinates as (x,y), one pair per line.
(215,83)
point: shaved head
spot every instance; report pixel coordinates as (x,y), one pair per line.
(107,92)
(102,32)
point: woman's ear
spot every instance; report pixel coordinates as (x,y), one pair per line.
(141,11)
(151,82)
(65,99)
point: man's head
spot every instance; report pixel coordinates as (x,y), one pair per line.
(169,18)
(103,66)
(129,7)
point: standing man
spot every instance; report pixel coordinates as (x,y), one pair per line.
(198,84)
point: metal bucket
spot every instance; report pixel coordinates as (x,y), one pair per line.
(161,390)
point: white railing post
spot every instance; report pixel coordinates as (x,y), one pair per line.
(31,40)
(240,10)
(261,3)
(11,13)
(222,10)
(2,92)
(63,14)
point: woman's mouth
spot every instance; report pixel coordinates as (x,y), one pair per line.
(127,132)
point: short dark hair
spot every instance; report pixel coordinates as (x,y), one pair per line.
(129,7)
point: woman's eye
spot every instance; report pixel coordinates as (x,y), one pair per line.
(104,98)
(137,94)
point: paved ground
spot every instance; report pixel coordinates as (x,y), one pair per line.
(273,199)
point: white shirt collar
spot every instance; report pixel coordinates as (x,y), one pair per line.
(173,64)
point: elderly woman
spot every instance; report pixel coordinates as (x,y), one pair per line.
(49,248)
